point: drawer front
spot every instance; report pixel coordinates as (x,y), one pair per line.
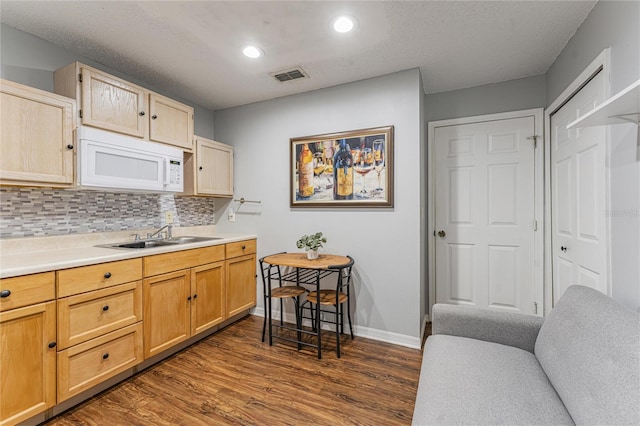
(169,262)
(95,277)
(88,364)
(241,248)
(88,315)
(26,290)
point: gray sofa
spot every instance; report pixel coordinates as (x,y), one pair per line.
(580,365)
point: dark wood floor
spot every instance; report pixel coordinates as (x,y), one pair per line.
(232,377)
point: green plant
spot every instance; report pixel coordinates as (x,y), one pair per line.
(311,242)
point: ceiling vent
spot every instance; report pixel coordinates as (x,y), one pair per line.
(290,75)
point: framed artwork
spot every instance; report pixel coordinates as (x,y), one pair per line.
(345,169)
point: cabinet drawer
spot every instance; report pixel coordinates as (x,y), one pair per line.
(87,364)
(88,315)
(27,290)
(95,277)
(169,262)
(241,248)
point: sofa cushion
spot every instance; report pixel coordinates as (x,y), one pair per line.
(471,381)
(589,347)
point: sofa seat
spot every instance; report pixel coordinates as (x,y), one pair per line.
(472,381)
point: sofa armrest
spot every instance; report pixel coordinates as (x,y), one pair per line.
(506,328)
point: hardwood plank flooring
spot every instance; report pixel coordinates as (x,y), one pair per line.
(231,377)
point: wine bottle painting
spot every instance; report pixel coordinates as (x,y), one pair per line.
(353,169)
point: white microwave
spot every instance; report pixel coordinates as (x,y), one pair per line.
(111,161)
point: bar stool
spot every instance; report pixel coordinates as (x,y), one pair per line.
(281,292)
(336,298)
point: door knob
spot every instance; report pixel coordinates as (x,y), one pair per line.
(441,234)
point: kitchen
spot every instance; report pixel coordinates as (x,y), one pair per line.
(397,234)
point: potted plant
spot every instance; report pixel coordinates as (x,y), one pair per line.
(311,243)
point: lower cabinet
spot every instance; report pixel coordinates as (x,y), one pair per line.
(88,364)
(109,317)
(27,362)
(166,311)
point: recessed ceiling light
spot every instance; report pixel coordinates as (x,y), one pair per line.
(252,52)
(344,24)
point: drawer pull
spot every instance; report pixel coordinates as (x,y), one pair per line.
(52,345)
(244,247)
(5,293)
(107,275)
(105,308)
(105,356)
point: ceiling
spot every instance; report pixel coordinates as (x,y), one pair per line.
(193,48)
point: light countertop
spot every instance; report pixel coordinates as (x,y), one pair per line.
(32,255)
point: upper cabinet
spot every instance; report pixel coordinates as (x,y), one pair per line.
(171,122)
(113,104)
(211,172)
(36,137)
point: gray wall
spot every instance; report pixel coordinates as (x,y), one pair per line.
(614,24)
(520,94)
(30,60)
(385,243)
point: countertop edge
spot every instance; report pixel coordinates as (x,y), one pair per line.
(53,260)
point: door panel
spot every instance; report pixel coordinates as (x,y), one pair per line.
(485,202)
(578,164)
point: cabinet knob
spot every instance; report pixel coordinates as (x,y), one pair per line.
(153,117)
(442,234)
(105,308)
(70,146)
(200,168)
(5,293)
(52,345)
(563,248)
(141,113)
(244,247)
(189,298)
(105,356)
(107,274)
(195,296)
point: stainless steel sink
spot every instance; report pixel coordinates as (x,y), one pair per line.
(143,244)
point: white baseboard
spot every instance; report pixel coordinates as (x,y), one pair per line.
(366,332)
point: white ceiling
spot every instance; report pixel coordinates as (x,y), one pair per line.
(193,48)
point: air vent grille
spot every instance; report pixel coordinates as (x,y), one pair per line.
(289,75)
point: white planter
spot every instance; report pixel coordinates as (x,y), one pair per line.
(312,254)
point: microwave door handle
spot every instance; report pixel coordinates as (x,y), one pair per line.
(167,171)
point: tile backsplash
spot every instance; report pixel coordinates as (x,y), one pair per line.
(36,212)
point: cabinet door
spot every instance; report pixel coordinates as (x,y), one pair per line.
(113,104)
(28,372)
(214,171)
(36,136)
(166,300)
(241,284)
(171,122)
(207,303)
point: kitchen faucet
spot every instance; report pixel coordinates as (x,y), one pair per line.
(168,227)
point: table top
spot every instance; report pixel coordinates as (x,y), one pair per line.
(299,260)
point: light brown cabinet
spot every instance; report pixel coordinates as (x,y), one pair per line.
(114,104)
(184,299)
(210,171)
(241,277)
(36,137)
(28,347)
(99,323)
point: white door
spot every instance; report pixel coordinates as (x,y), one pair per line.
(484,215)
(578,221)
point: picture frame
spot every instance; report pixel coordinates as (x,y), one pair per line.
(343,169)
